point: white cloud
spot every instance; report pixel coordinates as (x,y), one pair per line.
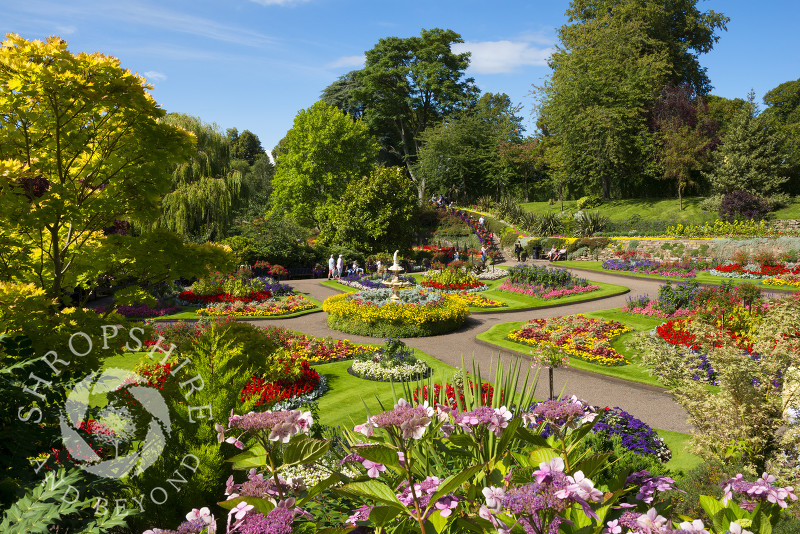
(155,76)
(503,57)
(347,61)
(65,30)
(278,2)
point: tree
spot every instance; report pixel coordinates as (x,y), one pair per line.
(687,134)
(323,152)
(245,146)
(205,188)
(751,157)
(461,155)
(410,84)
(783,112)
(523,160)
(81,146)
(377,213)
(723,110)
(342,94)
(605,73)
(676,26)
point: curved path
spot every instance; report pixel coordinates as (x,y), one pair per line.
(651,404)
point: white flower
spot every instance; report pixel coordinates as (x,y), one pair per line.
(203,513)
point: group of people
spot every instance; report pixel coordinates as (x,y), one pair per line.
(553,255)
(336,268)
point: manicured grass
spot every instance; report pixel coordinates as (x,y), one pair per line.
(677,443)
(646,210)
(187,313)
(792,211)
(497,335)
(703,277)
(343,404)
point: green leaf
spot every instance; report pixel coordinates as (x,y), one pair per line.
(372,489)
(592,464)
(438,522)
(262,506)
(319,487)
(255,456)
(380,515)
(304,450)
(378,453)
(462,439)
(542,455)
(454,482)
(522,475)
(531,437)
(715,511)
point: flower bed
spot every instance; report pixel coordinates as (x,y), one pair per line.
(451,279)
(544,283)
(672,301)
(546,293)
(143,311)
(580,337)
(393,361)
(786,280)
(190,298)
(371,313)
(371,281)
(476,300)
(755,271)
(239,286)
(285,306)
(648,266)
(315,350)
(453,395)
(268,391)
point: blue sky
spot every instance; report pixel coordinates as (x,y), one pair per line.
(252,64)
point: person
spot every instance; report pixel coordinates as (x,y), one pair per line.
(456,256)
(481,220)
(378,266)
(339,266)
(483,253)
(552,254)
(517,250)
(357,269)
(331,267)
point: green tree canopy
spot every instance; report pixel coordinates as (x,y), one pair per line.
(81,146)
(606,72)
(783,112)
(751,157)
(205,188)
(377,213)
(461,155)
(342,94)
(410,84)
(323,152)
(245,146)
(676,26)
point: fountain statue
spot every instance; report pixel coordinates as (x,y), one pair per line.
(395,284)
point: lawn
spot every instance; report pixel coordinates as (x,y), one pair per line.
(645,210)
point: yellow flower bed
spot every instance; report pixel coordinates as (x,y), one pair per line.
(789,280)
(445,309)
(476,300)
(284,306)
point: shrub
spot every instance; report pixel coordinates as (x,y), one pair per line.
(741,205)
(711,203)
(550,224)
(778,201)
(589,223)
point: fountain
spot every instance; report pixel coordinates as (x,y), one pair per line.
(395,284)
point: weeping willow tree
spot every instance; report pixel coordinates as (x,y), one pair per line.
(206,189)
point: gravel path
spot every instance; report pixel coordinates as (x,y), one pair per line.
(651,404)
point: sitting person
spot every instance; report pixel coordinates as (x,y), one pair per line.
(553,254)
(356,269)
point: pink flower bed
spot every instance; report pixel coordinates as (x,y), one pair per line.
(652,311)
(546,293)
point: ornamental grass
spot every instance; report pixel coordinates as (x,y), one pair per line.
(372,314)
(578,336)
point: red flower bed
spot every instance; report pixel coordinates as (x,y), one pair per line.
(269,392)
(672,334)
(190,296)
(487,391)
(761,270)
(459,286)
